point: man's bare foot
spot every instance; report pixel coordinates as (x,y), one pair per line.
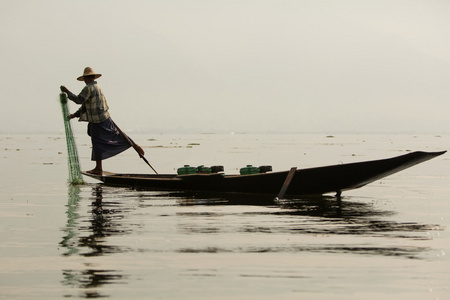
(95,172)
(139,150)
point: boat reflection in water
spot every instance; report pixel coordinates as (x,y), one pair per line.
(325,216)
(214,223)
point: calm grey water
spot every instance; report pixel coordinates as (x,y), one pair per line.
(388,240)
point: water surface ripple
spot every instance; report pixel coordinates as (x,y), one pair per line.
(387,240)
(107,221)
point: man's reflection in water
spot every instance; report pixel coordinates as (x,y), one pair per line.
(102,223)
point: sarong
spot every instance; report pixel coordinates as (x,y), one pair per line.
(106,140)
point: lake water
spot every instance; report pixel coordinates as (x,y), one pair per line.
(387,240)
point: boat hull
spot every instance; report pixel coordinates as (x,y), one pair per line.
(311,181)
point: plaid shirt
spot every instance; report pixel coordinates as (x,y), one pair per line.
(94,108)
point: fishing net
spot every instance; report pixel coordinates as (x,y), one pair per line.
(75,176)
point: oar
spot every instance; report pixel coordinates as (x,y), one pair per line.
(135,146)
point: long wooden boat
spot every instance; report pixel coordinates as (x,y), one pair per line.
(296,182)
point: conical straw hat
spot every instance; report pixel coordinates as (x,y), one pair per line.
(88,72)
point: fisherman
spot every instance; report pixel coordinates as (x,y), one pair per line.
(107,139)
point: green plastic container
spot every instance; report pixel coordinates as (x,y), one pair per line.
(186,170)
(249,169)
(203,170)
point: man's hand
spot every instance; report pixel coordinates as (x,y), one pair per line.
(64,89)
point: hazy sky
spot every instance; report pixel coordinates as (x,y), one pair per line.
(231,66)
